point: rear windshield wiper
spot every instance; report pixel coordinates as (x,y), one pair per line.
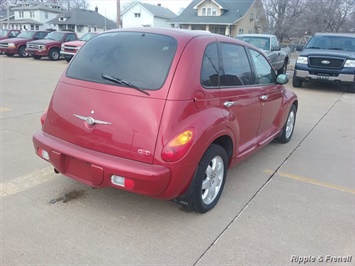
(123,82)
(312,47)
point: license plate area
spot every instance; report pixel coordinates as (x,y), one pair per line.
(323,76)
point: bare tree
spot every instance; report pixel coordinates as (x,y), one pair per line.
(288,18)
(69,4)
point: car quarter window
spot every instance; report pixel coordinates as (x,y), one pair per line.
(210,67)
(264,72)
(236,67)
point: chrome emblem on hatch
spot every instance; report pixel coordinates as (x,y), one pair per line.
(325,62)
(91,121)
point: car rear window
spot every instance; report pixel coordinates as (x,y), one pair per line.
(142,59)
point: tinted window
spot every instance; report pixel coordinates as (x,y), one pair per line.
(26,34)
(210,67)
(332,43)
(142,59)
(70,37)
(264,72)
(236,67)
(56,36)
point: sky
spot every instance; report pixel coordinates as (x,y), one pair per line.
(108,7)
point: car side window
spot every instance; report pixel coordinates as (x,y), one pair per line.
(236,67)
(70,37)
(264,72)
(210,67)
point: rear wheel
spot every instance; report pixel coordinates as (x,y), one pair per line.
(36,57)
(351,88)
(297,83)
(54,54)
(22,52)
(283,69)
(9,55)
(209,179)
(289,126)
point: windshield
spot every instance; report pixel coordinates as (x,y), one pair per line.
(332,43)
(3,33)
(26,35)
(56,36)
(142,59)
(87,36)
(259,42)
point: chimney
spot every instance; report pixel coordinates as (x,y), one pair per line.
(159,4)
(96,9)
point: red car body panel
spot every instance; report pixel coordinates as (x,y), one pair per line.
(141,125)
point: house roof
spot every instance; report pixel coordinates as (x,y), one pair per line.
(233,11)
(35,5)
(26,21)
(157,11)
(78,16)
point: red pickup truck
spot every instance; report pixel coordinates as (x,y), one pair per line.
(6,34)
(17,45)
(50,45)
(69,49)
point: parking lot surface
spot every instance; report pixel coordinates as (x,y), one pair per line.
(286,205)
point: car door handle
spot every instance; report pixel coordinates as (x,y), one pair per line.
(228,103)
(264,97)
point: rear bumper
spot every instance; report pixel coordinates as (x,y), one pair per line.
(95,169)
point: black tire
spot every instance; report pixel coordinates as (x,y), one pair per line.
(22,52)
(351,88)
(289,127)
(206,188)
(37,57)
(54,54)
(283,69)
(297,83)
(9,55)
(68,58)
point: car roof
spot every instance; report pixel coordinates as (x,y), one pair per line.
(335,34)
(167,31)
(255,35)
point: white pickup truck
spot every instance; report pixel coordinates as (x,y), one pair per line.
(278,57)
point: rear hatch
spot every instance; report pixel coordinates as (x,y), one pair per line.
(112,96)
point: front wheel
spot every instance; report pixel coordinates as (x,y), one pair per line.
(37,57)
(209,179)
(22,51)
(54,54)
(289,126)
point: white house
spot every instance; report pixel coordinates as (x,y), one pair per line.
(146,15)
(32,15)
(82,21)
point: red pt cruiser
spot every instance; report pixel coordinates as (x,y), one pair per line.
(164,113)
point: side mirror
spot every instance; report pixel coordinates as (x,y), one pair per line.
(275,48)
(282,79)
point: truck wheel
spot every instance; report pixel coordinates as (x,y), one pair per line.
(297,83)
(68,58)
(283,69)
(287,130)
(54,54)
(351,88)
(208,182)
(22,52)
(37,57)
(9,55)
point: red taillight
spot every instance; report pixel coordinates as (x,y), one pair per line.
(178,146)
(43,117)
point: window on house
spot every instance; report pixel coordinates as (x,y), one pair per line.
(209,11)
(250,31)
(21,14)
(251,16)
(95,29)
(203,11)
(241,31)
(137,15)
(32,27)
(214,11)
(46,15)
(32,14)
(37,27)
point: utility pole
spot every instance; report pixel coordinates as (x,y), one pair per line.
(8,14)
(118,14)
